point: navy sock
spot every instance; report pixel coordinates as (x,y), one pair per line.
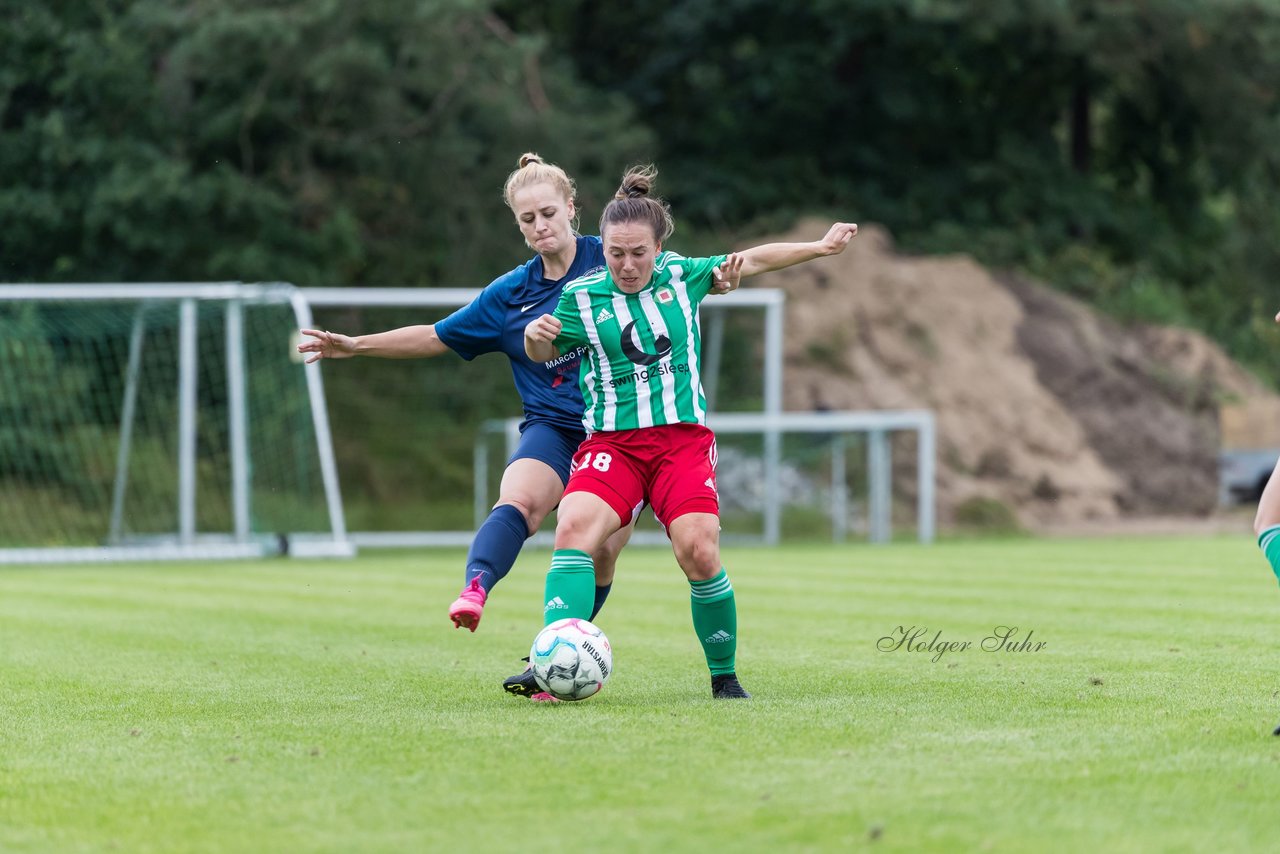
(602,593)
(496,546)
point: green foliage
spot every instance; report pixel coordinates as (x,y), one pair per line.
(986,515)
(314,142)
(322,142)
(1144,135)
(1128,151)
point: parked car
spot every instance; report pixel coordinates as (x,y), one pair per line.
(1242,474)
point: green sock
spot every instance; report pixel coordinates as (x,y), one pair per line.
(571,586)
(1269,542)
(715,619)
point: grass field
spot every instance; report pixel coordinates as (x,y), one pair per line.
(289,706)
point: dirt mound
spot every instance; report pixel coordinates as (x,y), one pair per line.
(1062,415)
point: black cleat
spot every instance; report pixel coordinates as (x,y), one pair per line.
(726,686)
(1276,731)
(522,684)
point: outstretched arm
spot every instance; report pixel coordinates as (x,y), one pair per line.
(540,336)
(775,256)
(407,342)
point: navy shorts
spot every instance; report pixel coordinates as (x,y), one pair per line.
(549,444)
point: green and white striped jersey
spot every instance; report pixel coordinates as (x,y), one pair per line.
(642,351)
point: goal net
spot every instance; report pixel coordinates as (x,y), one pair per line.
(161,421)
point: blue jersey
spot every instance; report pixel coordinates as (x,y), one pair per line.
(494,322)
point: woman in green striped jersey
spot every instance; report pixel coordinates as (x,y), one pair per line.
(645,412)
(1266,523)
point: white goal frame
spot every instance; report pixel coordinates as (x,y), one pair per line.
(186,543)
(839,425)
(772,423)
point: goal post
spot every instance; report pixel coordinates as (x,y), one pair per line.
(835,427)
(161,421)
(834,488)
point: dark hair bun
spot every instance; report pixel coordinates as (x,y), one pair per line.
(637,183)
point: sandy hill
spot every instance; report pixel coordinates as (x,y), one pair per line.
(1054,410)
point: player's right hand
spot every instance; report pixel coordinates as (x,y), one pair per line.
(543,329)
(728,274)
(326,345)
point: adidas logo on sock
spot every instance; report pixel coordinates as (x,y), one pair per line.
(555,605)
(604,315)
(720,637)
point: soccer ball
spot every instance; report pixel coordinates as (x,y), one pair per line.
(571,659)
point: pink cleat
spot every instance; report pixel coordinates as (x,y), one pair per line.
(543,697)
(467,608)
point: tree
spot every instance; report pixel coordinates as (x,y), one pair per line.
(315,142)
(1109,144)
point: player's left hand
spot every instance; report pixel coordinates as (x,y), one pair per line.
(727,274)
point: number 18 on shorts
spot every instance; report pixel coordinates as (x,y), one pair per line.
(673,467)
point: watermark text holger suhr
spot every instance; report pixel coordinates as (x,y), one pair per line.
(919,639)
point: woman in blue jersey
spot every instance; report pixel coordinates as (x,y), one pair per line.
(541,195)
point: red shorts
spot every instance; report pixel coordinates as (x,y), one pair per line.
(673,467)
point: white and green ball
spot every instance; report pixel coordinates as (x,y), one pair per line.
(571,659)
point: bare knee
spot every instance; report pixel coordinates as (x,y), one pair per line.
(699,557)
(695,538)
(533,488)
(582,531)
